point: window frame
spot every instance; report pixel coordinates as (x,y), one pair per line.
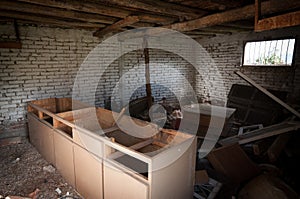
(271,39)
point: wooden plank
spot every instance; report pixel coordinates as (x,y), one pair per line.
(116,26)
(201,177)
(230,15)
(233,162)
(273,97)
(11,44)
(10,141)
(176,133)
(248,11)
(45,19)
(41,114)
(280,21)
(261,133)
(257,13)
(160,7)
(160,144)
(147,72)
(111,129)
(97,8)
(119,116)
(56,12)
(51,114)
(278,145)
(134,147)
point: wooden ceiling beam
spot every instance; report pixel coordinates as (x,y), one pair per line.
(55,12)
(280,21)
(228,28)
(160,7)
(62,13)
(244,24)
(47,20)
(245,12)
(90,7)
(226,3)
(116,26)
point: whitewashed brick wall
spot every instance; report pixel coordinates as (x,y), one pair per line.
(51,57)
(48,63)
(227,52)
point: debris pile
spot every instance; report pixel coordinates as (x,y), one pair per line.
(24,171)
(257,156)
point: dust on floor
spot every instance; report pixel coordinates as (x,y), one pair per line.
(21,172)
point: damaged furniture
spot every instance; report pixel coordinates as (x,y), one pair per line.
(210,116)
(111,163)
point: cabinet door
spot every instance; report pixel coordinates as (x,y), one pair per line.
(88,172)
(64,156)
(118,184)
(34,130)
(41,136)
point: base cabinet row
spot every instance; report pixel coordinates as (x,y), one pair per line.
(82,169)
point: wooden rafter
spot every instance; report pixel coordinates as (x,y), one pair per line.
(96,8)
(63,13)
(116,26)
(55,12)
(161,7)
(279,21)
(245,12)
(43,19)
(217,19)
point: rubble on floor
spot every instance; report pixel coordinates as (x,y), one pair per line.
(25,174)
(258,156)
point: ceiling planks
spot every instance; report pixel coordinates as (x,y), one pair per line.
(194,17)
(96,8)
(54,12)
(160,7)
(245,12)
(47,20)
(117,26)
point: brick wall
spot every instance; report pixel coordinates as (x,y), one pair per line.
(227,52)
(170,76)
(49,60)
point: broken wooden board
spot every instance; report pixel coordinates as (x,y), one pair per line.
(201,177)
(233,162)
(278,145)
(258,134)
(276,99)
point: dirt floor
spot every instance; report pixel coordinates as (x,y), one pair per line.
(21,173)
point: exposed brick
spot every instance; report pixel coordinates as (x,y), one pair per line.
(49,60)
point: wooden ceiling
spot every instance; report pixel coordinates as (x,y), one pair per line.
(197,18)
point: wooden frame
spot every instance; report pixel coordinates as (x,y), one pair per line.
(279,21)
(105,168)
